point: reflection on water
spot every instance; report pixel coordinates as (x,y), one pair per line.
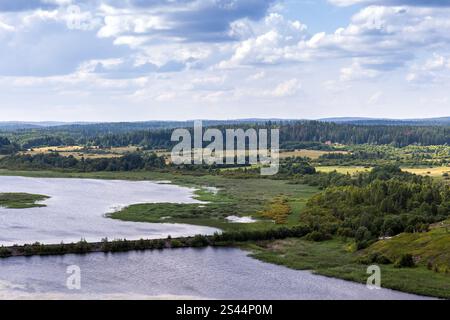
(76,210)
(179,273)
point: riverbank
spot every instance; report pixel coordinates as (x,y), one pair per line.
(83,247)
(337,259)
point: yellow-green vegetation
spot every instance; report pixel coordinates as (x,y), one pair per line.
(337,258)
(312,154)
(435,172)
(21,200)
(83,152)
(278,210)
(351,170)
(429,249)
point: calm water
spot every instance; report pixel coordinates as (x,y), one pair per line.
(77,207)
(180,273)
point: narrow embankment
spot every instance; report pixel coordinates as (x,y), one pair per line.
(83,247)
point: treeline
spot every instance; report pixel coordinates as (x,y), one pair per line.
(293,135)
(82,247)
(129,162)
(382,203)
(6,147)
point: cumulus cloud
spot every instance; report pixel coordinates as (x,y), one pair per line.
(189,20)
(420,3)
(435,69)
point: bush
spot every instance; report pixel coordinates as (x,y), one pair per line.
(82,246)
(405,261)
(378,258)
(5,252)
(318,236)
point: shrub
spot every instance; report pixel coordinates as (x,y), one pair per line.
(82,246)
(318,236)
(405,261)
(5,252)
(379,258)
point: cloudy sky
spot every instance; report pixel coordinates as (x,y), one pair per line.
(123,60)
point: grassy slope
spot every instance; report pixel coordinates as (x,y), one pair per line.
(336,259)
(21,200)
(430,249)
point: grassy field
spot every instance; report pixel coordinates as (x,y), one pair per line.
(336,258)
(435,172)
(21,200)
(343,169)
(312,154)
(430,249)
(83,152)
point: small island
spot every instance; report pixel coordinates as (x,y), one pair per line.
(21,200)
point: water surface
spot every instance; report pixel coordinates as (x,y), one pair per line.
(76,210)
(213,273)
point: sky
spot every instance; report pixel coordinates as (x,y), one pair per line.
(136,60)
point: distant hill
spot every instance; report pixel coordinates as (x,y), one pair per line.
(104,127)
(443,121)
(18,125)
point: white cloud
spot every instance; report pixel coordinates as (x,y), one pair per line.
(286,88)
(375,98)
(435,70)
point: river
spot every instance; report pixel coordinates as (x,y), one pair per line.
(76,209)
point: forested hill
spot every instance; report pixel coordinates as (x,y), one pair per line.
(443,121)
(360,134)
(6,147)
(293,134)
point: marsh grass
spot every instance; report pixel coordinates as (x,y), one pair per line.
(21,200)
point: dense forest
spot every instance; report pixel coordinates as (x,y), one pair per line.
(357,134)
(384,202)
(129,162)
(292,134)
(6,147)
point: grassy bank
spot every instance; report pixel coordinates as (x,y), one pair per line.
(241,198)
(21,200)
(336,258)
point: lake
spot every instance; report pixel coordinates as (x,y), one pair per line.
(209,273)
(77,207)
(76,210)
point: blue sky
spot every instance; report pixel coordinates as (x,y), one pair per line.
(125,60)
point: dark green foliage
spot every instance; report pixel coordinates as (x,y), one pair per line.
(197,241)
(6,147)
(4,252)
(293,134)
(384,202)
(129,162)
(318,236)
(405,261)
